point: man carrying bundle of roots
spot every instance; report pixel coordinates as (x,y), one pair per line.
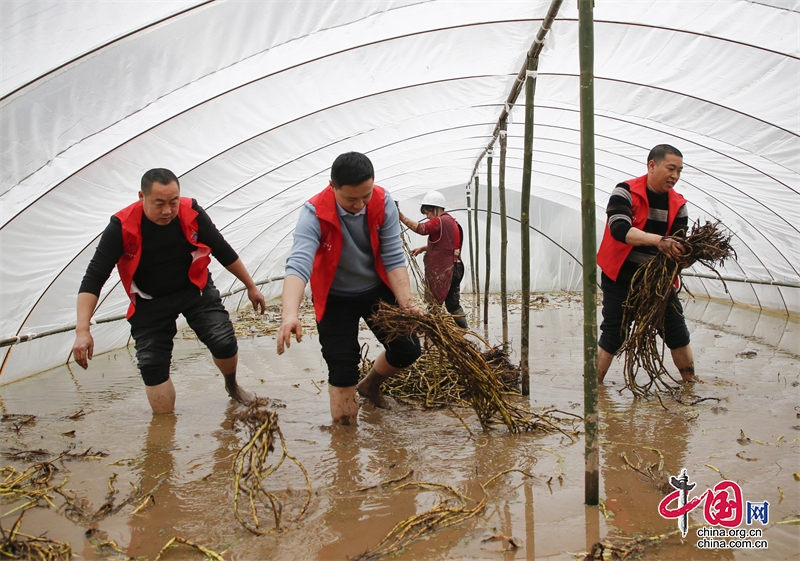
(443,266)
(642,215)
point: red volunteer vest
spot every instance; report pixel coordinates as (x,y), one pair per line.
(439,257)
(131,219)
(612,253)
(329,251)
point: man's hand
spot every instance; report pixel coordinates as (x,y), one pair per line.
(671,247)
(83,349)
(292,295)
(238,270)
(418,251)
(411,306)
(416,309)
(289,325)
(257,299)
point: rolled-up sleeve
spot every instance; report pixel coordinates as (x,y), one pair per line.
(391,244)
(430,227)
(306,241)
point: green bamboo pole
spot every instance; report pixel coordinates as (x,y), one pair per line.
(524,219)
(590,414)
(501,191)
(488,237)
(477,283)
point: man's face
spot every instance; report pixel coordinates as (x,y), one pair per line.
(662,176)
(353,198)
(161,205)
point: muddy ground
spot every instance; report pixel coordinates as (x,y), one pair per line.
(748,433)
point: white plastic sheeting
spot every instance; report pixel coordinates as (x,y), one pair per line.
(250,102)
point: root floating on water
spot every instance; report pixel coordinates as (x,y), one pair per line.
(250,470)
(16,545)
(452,509)
(75,508)
(621,548)
(208,553)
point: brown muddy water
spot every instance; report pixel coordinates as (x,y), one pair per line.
(748,360)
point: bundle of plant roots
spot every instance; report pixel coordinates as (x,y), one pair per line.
(251,468)
(433,382)
(478,382)
(648,298)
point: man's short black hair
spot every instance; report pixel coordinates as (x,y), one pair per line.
(660,152)
(351,168)
(158,175)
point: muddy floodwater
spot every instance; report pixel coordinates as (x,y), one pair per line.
(747,433)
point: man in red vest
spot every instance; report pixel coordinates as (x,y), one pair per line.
(163,266)
(443,266)
(642,215)
(347,246)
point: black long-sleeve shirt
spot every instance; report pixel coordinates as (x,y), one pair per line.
(620,217)
(166,255)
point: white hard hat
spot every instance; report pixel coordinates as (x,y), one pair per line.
(434,198)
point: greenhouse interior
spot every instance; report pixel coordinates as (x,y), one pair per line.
(524,116)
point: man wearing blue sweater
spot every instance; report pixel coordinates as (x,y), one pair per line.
(347,246)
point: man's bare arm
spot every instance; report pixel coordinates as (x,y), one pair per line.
(293,289)
(238,270)
(83,348)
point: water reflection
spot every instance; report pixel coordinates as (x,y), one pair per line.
(493,454)
(149,527)
(530,549)
(644,433)
(767,327)
(356,520)
(192,496)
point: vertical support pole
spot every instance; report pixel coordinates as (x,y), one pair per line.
(469,235)
(524,225)
(590,414)
(501,191)
(488,236)
(477,283)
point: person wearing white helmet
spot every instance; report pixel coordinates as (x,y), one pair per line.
(443,266)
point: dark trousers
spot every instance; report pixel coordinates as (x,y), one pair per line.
(153,328)
(338,335)
(453,299)
(675,333)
